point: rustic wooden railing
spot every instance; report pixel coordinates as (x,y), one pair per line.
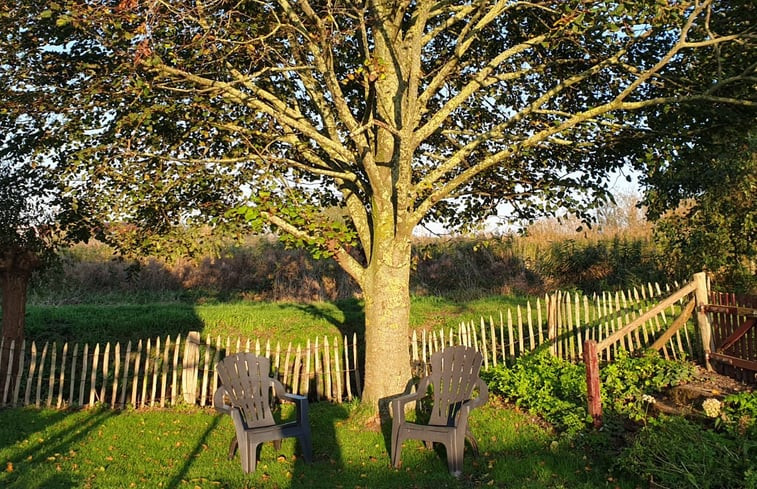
(167,372)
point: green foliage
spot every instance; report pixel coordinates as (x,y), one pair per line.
(546,385)
(627,379)
(676,452)
(596,266)
(556,389)
(739,415)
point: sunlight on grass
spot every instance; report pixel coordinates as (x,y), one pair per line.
(102,448)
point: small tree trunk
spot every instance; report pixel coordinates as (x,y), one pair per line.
(14,285)
(15,271)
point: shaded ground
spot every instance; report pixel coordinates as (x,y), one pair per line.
(687,398)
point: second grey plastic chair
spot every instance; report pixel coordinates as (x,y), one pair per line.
(245,394)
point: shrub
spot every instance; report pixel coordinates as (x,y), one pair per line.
(628,379)
(548,386)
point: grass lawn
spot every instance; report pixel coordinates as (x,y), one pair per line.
(284,322)
(103,448)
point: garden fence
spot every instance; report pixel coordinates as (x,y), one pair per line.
(168,371)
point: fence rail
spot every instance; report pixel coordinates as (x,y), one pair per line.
(632,320)
(167,371)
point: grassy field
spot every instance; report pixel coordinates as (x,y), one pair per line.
(103,448)
(275,321)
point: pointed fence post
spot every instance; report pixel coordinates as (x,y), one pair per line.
(705,329)
(190,368)
(591,359)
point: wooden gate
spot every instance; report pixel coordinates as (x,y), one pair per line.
(734,319)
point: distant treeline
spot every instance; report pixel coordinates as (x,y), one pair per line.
(262,268)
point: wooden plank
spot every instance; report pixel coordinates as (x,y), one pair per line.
(20,373)
(41,371)
(205,372)
(308,373)
(539,322)
(735,361)
(30,376)
(73,373)
(164,371)
(355,362)
(296,373)
(687,289)
(93,375)
(337,372)
(106,365)
(286,365)
(84,360)
(155,367)
(135,378)
(144,400)
(116,373)
(347,368)
(677,324)
(484,348)
(51,382)
(125,380)
(510,335)
(175,370)
(317,368)
(594,396)
(216,359)
(327,368)
(521,334)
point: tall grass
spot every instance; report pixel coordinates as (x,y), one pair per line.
(459,268)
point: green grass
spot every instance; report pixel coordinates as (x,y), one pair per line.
(275,321)
(103,448)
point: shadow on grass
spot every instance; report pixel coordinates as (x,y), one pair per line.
(189,448)
(30,437)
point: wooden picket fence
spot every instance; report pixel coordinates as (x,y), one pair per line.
(158,373)
(562,323)
(168,371)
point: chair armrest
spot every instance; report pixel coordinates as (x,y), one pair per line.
(219,401)
(398,403)
(483,395)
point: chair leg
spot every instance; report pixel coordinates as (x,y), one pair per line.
(306,446)
(397,452)
(248,453)
(473,443)
(233,447)
(455,447)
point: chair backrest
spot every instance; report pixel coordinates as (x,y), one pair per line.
(248,385)
(454,375)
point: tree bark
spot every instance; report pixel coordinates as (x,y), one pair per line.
(15,271)
(387,315)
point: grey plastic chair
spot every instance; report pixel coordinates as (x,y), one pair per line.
(245,394)
(451,386)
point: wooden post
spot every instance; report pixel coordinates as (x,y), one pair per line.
(592,382)
(190,367)
(705,329)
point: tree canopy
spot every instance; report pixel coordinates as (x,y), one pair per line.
(393,112)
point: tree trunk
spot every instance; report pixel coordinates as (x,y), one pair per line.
(13,285)
(387,316)
(15,271)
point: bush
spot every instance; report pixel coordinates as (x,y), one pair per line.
(548,386)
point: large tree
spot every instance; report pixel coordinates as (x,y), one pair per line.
(37,215)
(394,111)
